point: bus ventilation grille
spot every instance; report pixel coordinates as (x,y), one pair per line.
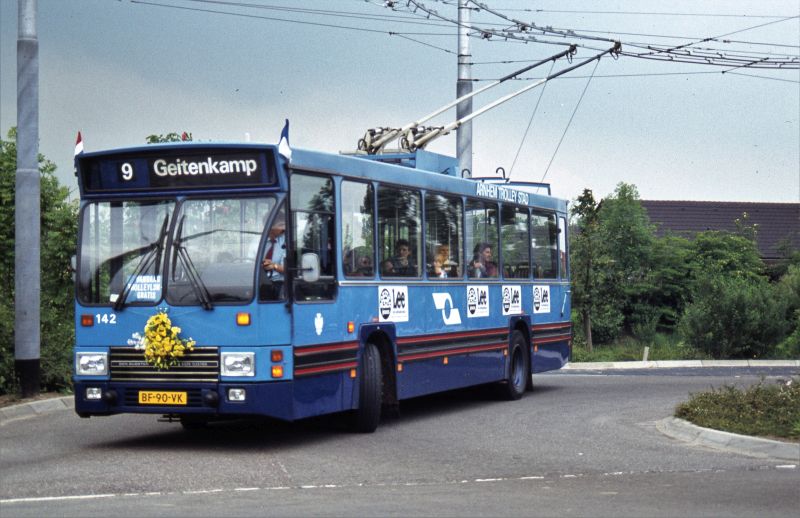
(200,365)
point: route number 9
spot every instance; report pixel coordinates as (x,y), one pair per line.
(126,169)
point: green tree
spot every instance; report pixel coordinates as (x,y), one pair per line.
(720,253)
(668,280)
(58,234)
(627,238)
(169,137)
(585,250)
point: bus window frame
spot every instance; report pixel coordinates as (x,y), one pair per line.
(293,277)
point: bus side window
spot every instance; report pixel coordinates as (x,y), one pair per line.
(544,245)
(562,248)
(357,230)
(481,236)
(514,237)
(399,227)
(313,221)
(443,236)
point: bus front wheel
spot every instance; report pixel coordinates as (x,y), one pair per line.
(368,414)
(519,371)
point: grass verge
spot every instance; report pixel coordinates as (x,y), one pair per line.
(661,347)
(766,410)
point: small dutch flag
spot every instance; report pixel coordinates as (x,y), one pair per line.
(283,143)
(79,145)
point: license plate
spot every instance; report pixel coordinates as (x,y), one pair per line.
(161,397)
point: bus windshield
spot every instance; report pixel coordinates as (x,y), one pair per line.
(122,247)
(214,250)
(214,247)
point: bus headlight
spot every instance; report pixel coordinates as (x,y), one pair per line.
(238,364)
(91,364)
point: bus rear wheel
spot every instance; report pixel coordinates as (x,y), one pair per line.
(368,414)
(519,371)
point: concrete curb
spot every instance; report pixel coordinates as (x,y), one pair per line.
(726,441)
(32,408)
(672,364)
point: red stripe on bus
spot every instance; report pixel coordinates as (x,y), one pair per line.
(560,338)
(542,327)
(450,336)
(325,368)
(451,352)
(305,351)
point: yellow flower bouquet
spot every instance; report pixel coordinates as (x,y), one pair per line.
(161,342)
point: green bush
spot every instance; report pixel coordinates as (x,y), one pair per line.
(765,410)
(735,317)
(58,236)
(790,348)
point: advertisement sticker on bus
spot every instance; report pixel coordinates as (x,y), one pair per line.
(393,303)
(145,288)
(450,314)
(477,301)
(541,299)
(512,300)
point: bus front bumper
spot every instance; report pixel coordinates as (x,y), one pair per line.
(101,398)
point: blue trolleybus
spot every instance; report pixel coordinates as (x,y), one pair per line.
(223,280)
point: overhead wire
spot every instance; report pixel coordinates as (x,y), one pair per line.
(300,22)
(530,122)
(656,52)
(577,105)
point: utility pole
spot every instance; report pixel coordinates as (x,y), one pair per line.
(463,87)
(27,274)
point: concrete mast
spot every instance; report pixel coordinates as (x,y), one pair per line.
(27,277)
(463,87)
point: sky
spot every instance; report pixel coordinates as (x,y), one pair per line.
(120,70)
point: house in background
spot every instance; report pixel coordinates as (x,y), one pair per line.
(778,223)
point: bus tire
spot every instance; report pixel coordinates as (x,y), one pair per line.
(519,371)
(368,414)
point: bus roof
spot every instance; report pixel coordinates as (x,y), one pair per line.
(101,172)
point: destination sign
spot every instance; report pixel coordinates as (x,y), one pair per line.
(499,192)
(176,168)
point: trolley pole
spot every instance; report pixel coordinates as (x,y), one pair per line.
(27,275)
(463,87)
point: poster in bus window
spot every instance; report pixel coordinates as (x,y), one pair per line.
(541,299)
(512,300)
(393,303)
(477,301)
(144,288)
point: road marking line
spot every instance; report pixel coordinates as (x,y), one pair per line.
(360,484)
(55,498)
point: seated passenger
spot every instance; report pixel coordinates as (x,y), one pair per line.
(402,264)
(482,264)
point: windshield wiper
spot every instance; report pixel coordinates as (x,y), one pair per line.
(153,256)
(198,286)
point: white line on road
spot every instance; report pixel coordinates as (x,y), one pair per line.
(341,486)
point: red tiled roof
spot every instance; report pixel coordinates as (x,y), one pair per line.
(776,222)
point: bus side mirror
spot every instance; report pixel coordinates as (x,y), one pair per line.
(309,266)
(73,265)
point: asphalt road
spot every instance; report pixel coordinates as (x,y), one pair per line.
(579,445)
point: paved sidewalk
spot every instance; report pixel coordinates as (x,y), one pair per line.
(40,406)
